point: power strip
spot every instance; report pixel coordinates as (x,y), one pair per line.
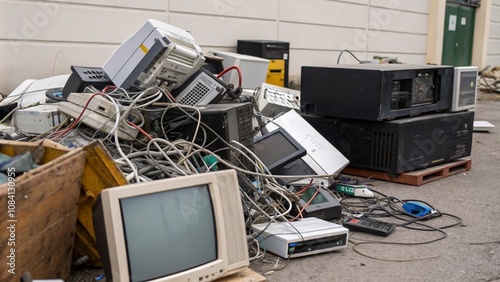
(99,114)
(273,99)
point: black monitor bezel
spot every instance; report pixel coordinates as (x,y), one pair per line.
(299,153)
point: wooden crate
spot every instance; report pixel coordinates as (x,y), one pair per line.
(100,172)
(46,200)
(417,177)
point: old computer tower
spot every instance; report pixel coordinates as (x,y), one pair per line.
(278,52)
(221,123)
(399,145)
(375,91)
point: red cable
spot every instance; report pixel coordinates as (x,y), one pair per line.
(231,68)
(107,88)
(304,188)
(75,122)
(307,204)
(140,130)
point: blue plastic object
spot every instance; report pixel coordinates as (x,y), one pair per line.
(416,209)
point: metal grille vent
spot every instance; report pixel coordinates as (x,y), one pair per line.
(195,95)
(382,150)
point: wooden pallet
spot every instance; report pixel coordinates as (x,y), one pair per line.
(417,177)
(246,275)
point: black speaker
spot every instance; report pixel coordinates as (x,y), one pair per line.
(399,145)
(82,77)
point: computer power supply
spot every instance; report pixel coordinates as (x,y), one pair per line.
(38,119)
(201,88)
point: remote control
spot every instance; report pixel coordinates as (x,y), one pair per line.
(369,225)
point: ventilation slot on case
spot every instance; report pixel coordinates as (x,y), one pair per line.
(382,149)
(181,60)
(195,95)
(245,130)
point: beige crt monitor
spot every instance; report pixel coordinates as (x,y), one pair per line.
(188,228)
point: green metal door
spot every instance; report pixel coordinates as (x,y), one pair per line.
(458,34)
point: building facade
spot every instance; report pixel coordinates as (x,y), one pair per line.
(39,39)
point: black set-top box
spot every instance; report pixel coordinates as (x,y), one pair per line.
(399,145)
(376,91)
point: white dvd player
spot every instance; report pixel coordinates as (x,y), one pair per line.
(303,237)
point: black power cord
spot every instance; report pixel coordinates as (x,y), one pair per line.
(341,52)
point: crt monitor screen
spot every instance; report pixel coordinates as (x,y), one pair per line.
(277,149)
(168,232)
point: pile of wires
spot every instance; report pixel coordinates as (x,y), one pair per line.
(172,141)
